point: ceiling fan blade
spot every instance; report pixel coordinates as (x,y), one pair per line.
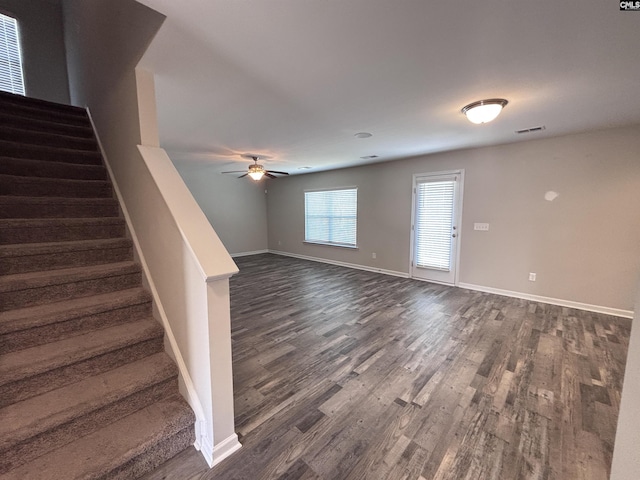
(242,175)
(267,174)
(235,171)
(275,171)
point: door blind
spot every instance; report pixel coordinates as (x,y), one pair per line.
(331,217)
(10,59)
(434,222)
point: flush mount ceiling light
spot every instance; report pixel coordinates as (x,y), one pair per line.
(484,111)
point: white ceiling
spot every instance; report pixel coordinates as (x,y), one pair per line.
(296,79)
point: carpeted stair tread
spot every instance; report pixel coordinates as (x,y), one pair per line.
(21,281)
(37,288)
(35,361)
(43,168)
(14,206)
(18,250)
(28,327)
(53,187)
(38,230)
(35,222)
(30,112)
(43,110)
(31,317)
(34,416)
(32,257)
(110,451)
(52,154)
(14,133)
(7,98)
(45,125)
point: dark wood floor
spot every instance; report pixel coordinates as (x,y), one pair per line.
(344,374)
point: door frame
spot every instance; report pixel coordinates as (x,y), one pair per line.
(457,207)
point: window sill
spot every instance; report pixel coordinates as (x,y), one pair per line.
(339,245)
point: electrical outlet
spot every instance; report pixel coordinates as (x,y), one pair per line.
(532,277)
(484,227)
(373,255)
(279,242)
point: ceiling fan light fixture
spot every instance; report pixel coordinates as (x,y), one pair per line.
(484,111)
(256,175)
(256,172)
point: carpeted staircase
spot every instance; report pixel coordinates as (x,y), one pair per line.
(86,390)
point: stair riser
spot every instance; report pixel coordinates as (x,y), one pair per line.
(32,168)
(30,137)
(31,386)
(52,261)
(32,124)
(84,425)
(60,233)
(56,293)
(35,152)
(154,456)
(14,341)
(42,187)
(45,115)
(52,210)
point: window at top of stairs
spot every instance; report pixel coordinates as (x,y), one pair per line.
(11,79)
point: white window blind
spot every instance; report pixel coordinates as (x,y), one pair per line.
(331,216)
(10,59)
(434,222)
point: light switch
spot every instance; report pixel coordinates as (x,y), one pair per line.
(481,226)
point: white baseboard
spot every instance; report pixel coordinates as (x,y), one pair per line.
(222,450)
(553,301)
(246,254)
(192,397)
(342,264)
(507,293)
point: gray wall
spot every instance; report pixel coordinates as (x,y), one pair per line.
(235,207)
(43,50)
(583,245)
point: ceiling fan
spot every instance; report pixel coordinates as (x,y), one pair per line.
(257,171)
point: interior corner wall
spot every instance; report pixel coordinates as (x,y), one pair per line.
(235,207)
(42,45)
(626,461)
(583,245)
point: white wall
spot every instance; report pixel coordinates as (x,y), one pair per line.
(236,207)
(583,245)
(42,43)
(626,454)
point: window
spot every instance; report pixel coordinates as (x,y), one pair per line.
(434,224)
(330,216)
(10,60)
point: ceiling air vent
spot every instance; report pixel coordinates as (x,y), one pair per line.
(531,130)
